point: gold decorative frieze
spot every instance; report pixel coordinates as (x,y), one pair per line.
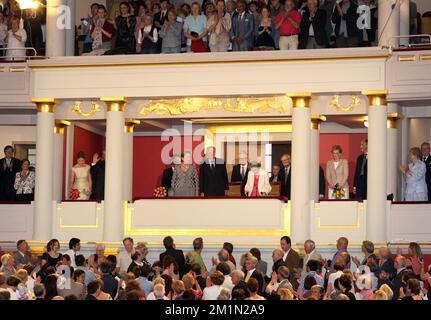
(335,103)
(94,108)
(191,105)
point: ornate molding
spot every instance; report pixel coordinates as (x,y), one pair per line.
(192,105)
(335,103)
(77,108)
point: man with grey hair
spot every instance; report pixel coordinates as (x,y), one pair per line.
(213,180)
(310,254)
(223,256)
(250,267)
(368,252)
(169,172)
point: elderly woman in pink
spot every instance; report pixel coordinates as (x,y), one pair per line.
(337,173)
(218,27)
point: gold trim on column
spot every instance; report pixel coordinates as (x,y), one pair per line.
(376,98)
(393,119)
(130,125)
(117,104)
(45,105)
(316,120)
(300,99)
(60,125)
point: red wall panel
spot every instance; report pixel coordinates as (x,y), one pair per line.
(350,142)
(147,161)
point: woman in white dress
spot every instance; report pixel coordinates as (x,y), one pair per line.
(337,173)
(81,178)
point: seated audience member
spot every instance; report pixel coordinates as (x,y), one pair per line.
(313,27)
(171,34)
(214,286)
(94,288)
(253,288)
(21,256)
(39,291)
(26,293)
(148,36)
(287,23)
(110,284)
(7,265)
(81,265)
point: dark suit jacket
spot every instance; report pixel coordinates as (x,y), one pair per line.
(7,179)
(258,276)
(20,259)
(398,283)
(178,256)
(293,261)
(351,18)
(285,186)
(158,18)
(360,182)
(236,177)
(167,178)
(98,177)
(322,181)
(319,27)
(428,176)
(213,182)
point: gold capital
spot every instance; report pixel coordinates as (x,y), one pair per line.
(60,125)
(393,119)
(130,125)
(117,104)
(300,99)
(376,98)
(45,105)
(316,120)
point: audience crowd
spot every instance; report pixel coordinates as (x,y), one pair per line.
(378,275)
(161,26)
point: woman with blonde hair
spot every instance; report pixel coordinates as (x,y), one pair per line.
(80,178)
(386,289)
(337,174)
(285,294)
(416,257)
(414,172)
(380,295)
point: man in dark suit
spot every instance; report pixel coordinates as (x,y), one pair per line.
(21,256)
(400,265)
(277,262)
(285,176)
(97,172)
(9,166)
(321,183)
(169,172)
(159,20)
(360,180)
(213,179)
(274,173)
(242,28)
(426,158)
(346,13)
(250,267)
(240,172)
(291,259)
(312,33)
(177,255)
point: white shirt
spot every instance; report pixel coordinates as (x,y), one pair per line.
(147,29)
(285,255)
(13,42)
(334,276)
(211,293)
(72,255)
(227,284)
(124,260)
(151,296)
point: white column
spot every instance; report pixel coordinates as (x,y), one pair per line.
(405,145)
(58,160)
(404,21)
(393,153)
(114,168)
(44,169)
(377,166)
(55,28)
(70,32)
(389,22)
(300,192)
(315,158)
(128,159)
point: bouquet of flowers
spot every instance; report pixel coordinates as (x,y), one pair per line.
(74,194)
(338,192)
(160,192)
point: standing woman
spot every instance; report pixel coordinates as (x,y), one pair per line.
(264,39)
(185,179)
(416,187)
(52,257)
(102,30)
(148,36)
(80,178)
(219,25)
(125,24)
(171,34)
(416,257)
(24,182)
(337,173)
(257,181)
(195,29)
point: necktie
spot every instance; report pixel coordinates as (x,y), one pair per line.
(242,172)
(364,162)
(248,276)
(286,174)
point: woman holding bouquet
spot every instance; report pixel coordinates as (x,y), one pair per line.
(416,187)
(337,173)
(257,181)
(185,181)
(80,179)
